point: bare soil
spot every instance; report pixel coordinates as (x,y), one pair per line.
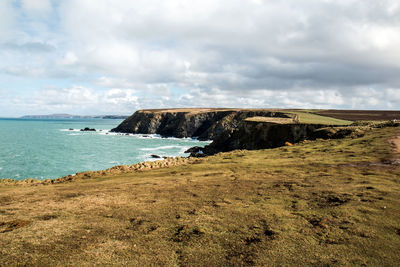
(395,142)
(366,115)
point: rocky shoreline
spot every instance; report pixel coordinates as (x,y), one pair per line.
(137,167)
(229,129)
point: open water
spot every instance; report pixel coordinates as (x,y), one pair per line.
(47,148)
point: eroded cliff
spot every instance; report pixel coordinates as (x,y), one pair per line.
(253,134)
(205,124)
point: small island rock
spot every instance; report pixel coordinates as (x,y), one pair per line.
(87,129)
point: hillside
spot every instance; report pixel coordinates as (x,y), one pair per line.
(209,124)
(325,202)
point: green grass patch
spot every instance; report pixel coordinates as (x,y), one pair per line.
(307,117)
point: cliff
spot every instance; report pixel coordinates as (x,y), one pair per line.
(205,124)
(260,134)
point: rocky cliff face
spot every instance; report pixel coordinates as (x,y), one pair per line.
(260,135)
(206,124)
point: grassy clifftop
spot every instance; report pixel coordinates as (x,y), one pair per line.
(332,202)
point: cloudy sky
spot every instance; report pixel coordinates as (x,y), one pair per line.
(117,56)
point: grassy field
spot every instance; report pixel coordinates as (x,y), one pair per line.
(309,117)
(325,203)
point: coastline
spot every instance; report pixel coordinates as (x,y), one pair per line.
(49,149)
(313,203)
(251,133)
(118,169)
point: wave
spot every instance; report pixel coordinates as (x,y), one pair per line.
(69,130)
(160,148)
(139,136)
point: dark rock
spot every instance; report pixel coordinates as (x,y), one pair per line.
(87,129)
(260,135)
(338,132)
(70,129)
(228,128)
(155,156)
(199,154)
(205,124)
(194,149)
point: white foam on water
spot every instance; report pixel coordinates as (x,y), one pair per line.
(159,148)
(74,134)
(157,136)
(149,136)
(184,148)
(68,130)
(145,158)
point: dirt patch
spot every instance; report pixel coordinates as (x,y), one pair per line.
(395,143)
(317,222)
(184,233)
(331,199)
(71,195)
(47,217)
(12,225)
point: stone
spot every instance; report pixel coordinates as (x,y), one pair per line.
(87,129)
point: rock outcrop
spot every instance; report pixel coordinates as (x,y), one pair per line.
(261,134)
(253,134)
(205,124)
(87,129)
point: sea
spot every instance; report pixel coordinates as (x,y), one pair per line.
(52,148)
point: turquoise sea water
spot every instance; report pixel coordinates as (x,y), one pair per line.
(43,149)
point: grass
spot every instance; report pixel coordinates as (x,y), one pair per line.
(308,117)
(270,120)
(332,202)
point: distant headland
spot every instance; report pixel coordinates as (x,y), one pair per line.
(69,116)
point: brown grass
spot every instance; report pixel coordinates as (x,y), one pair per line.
(365,115)
(271,120)
(332,202)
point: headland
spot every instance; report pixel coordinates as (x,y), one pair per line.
(331,198)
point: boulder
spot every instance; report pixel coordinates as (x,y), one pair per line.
(194,149)
(87,129)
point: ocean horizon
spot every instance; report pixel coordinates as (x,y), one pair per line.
(52,148)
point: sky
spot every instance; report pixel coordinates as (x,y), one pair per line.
(92,57)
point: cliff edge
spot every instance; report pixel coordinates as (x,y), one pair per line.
(204,124)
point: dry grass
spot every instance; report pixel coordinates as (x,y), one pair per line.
(271,120)
(334,202)
(311,118)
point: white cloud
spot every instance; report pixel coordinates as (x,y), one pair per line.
(36,7)
(160,53)
(69,58)
(7,20)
